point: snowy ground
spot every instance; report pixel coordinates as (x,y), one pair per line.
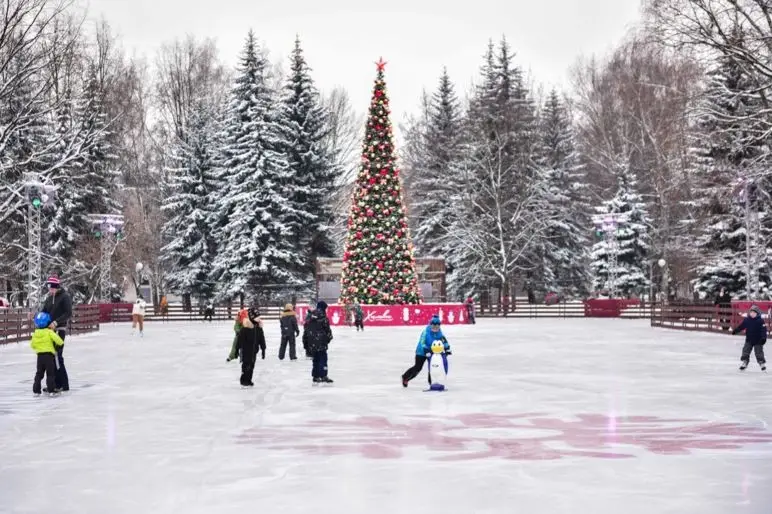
(543,416)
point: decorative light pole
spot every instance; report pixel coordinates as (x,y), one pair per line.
(39,196)
(606,225)
(108,228)
(663,271)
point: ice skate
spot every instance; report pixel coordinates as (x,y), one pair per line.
(763,366)
(404,383)
(326,380)
(316,381)
(743,366)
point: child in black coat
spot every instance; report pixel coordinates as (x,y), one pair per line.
(755,338)
(250,339)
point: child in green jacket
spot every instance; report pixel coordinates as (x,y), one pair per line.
(236,328)
(44,342)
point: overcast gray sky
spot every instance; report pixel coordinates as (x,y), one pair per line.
(343,38)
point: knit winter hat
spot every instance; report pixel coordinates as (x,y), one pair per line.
(756,309)
(53,281)
(321,305)
(435,320)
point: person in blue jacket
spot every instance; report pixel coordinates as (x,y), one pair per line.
(755,338)
(423,350)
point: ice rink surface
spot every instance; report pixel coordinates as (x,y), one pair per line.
(542,416)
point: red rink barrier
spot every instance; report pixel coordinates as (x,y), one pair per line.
(396,315)
(115,312)
(607,308)
(740,309)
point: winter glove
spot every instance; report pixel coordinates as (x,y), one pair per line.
(448,353)
(428,354)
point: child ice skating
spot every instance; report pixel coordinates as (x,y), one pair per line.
(423,350)
(44,342)
(289,331)
(250,338)
(755,338)
(240,316)
(359,317)
(317,336)
(138,316)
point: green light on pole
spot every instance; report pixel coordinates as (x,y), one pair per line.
(37,202)
(98,234)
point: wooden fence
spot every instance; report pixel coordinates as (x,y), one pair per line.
(16,325)
(701,318)
(572,309)
(121,312)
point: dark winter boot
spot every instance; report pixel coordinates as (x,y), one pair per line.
(763,366)
(743,365)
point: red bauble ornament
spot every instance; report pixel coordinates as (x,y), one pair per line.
(370,213)
(359,235)
(384,171)
(372,180)
(379,264)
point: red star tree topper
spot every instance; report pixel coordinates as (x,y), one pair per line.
(378,264)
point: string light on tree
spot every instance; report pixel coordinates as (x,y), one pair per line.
(378,262)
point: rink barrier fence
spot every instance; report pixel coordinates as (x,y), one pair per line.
(592,308)
(16,324)
(706,318)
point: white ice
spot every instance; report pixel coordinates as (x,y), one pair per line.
(542,416)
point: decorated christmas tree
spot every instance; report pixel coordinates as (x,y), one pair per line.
(378,263)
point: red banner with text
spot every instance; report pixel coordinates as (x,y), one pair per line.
(395,315)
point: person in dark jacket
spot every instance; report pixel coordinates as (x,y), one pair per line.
(359,317)
(755,338)
(317,336)
(724,304)
(289,331)
(305,340)
(58,305)
(250,338)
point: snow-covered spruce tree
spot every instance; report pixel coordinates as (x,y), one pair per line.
(566,259)
(496,238)
(378,263)
(632,240)
(310,185)
(432,180)
(255,248)
(191,246)
(729,155)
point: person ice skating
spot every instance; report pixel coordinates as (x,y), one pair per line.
(164,308)
(289,331)
(317,336)
(359,317)
(755,338)
(138,316)
(305,340)
(209,311)
(58,305)
(470,311)
(45,343)
(236,328)
(250,338)
(423,350)
(724,304)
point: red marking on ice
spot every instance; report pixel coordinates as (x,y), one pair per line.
(541,437)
